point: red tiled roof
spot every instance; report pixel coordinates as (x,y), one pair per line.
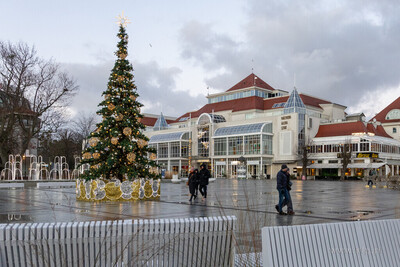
(251,80)
(251,102)
(313,101)
(381,116)
(150,121)
(348,128)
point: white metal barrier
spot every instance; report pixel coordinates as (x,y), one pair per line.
(366,243)
(160,242)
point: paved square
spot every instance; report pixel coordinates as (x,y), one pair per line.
(314,202)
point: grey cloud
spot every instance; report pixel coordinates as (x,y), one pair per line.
(338,50)
(155,86)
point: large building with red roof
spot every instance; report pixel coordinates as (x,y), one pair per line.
(252,128)
(389,118)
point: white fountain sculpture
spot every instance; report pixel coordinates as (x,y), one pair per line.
(60,168)
(38,169)
(13,168)
(79,169)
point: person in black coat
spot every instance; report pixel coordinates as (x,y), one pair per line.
(193,182)
(204,176)
(282,182)
(288,201)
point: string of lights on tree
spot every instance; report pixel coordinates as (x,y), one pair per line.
(118,148)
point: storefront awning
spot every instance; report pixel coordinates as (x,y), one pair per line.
(324,166)
(373,165)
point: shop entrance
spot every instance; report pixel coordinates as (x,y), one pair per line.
(252,171)
(233,171)
(220,171)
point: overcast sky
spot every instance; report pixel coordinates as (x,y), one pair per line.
(347,52)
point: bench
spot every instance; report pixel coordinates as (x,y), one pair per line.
(160,242)
(365,243)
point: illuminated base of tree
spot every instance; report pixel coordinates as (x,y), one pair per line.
(100,190)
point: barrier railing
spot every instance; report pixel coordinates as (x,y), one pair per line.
(160,242)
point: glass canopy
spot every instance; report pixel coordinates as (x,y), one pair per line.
(169,137)
(161,123)
(207,118)
(294,103)
(244,129)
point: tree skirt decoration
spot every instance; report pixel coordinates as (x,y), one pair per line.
(100,190)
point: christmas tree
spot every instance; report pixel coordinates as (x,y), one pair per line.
(117,148)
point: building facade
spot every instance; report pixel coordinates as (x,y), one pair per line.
(251,124)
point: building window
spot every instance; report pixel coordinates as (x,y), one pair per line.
(175,149)
(219,146)
(185,150)
(267,144)
(354,147)
(364,146)
(162,151)
(252,144)
(235,145)
(394,130)
(203,141)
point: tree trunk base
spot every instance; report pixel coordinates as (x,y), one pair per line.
(114,190)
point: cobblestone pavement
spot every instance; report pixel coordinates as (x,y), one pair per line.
(252,201)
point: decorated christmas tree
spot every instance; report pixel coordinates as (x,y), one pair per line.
(118,149)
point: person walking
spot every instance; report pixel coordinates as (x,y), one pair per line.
(288,202)
(282,187)
(193,183)
(204,175)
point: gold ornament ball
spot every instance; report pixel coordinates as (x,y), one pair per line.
(93,141)
(132,97)
(127,131)
(153,156)
(87,155)
(141,143)
(114,140)
(111,106)
(131,157)
(96,155)
(119,117)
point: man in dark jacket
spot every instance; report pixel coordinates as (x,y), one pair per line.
(204,176)
(282,181)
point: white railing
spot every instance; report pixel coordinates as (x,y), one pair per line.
(160,242)
(366,243)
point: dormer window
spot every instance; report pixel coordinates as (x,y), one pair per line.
(394,114)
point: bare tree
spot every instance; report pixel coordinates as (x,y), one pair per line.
(304,159)
(84,125)
(33,92)
(345,156)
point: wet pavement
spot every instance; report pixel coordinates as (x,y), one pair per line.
(252,201)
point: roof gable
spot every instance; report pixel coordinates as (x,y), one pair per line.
(349,128)
(249,81)
(381,116)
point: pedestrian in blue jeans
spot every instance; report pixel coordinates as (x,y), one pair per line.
(282,185)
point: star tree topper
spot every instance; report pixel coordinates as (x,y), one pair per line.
(122,20)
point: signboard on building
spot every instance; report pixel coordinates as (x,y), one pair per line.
(368,155)
(253,162)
